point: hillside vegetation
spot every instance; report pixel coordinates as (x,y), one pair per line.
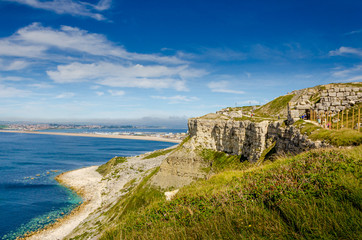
(338,138)
(276,107)
(316,194)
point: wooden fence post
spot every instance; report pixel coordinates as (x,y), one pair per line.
(342,120)
(359,118)
(347,119)
(338,120)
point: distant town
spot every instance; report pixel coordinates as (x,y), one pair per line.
(96,129)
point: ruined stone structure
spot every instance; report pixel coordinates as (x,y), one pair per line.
(332,98)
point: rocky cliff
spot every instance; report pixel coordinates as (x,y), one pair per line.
(236,133)
(247,139)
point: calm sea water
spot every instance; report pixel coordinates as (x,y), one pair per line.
(30,198)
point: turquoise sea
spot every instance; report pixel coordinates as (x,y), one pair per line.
(30,198)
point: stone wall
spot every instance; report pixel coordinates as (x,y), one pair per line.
(332,98)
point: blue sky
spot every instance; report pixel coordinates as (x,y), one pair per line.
(130,59)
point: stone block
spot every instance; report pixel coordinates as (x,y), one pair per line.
(347,94)
(340,94)
(348,89)
(355,89)
(341,89)
(335,103)
(318,105)
(340,108)
(359,94)
(303,107)
(352,98)
(332,108)
(323,94)
(332,94)
(336,89)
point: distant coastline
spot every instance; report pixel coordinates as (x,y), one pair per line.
(146,138)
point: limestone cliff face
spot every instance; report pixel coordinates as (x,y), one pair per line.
(245,138)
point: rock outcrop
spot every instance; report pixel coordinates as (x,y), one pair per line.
(245,138)
(248,139)
(227,131)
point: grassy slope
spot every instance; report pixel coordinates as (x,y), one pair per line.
(342,137)
(312,195)
(106,168)
(158,153)
(276,107)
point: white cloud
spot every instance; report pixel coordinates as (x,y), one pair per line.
(14,65)
(65,95)
(100,93)
(346,51)
(116,93)
(9,92)
(14,78)
(354,32)
(348,71)
(41,85)
(355,78)
(12,47)
(176,99)
(223,87)
(75,8)
(117,75)
(37,41)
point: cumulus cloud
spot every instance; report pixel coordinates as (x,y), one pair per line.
(13,65)
(100,94)
(65,95)
(116,93)
(223,87)
(14,78)
(346,51)
(176,99)
(74,8)
(91,57)
(348,71)
(117,75)
(37,41)
(10,92)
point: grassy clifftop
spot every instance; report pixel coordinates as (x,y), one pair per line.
(316,194)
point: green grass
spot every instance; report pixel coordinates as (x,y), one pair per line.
(267,152)
(314,195)
(3,126)
(158,153)
(108,166)
(220,161)
(342,137)
(276,107)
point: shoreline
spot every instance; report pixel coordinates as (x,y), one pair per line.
(130,137)
(86,182)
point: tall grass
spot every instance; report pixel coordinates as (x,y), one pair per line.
(342,137)
(314,195)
